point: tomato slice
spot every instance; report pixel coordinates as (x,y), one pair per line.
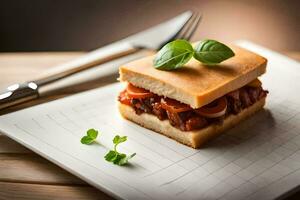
(174,106)
(124,99)
(215,109)
(137,93)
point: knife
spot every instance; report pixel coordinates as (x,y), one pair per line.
(151,38)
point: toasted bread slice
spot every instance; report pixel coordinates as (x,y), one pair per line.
(196,84)
(191,138)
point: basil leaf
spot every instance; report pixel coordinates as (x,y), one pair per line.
(173,55)
(212,52)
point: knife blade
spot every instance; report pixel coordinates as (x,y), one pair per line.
(151,38)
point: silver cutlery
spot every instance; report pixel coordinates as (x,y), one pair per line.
(182,26)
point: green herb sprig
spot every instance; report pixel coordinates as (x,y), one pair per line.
(177,53)
(113,156)
(116,157)
(90,136)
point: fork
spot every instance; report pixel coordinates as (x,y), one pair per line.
(187,30)
(185,33)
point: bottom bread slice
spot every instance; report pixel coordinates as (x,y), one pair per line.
(194,138)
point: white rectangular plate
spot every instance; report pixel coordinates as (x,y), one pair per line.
(259,159)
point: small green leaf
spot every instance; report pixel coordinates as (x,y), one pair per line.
(115,157)
(90,136)
(118,139)
(173,55)
(110,156)
(92,133)
(86,140)
(118,158)
(212,52)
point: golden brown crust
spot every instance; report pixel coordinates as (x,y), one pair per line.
(196,84)
(195,138)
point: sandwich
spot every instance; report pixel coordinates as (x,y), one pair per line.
(197,102)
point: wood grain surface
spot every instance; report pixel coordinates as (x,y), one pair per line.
(24,174)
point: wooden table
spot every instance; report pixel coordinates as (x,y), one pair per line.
(24,174)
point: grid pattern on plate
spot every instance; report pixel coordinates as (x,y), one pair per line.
(242,163)
(259,152)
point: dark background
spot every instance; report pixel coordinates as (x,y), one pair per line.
(67,25)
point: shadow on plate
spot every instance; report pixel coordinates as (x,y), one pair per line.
(255,125)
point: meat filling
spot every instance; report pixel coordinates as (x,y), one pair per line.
(190,120)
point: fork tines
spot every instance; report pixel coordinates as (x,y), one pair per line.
(188,29)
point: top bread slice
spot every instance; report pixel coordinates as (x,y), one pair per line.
(196,84)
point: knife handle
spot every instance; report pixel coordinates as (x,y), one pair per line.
(18,93)
(89,60)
